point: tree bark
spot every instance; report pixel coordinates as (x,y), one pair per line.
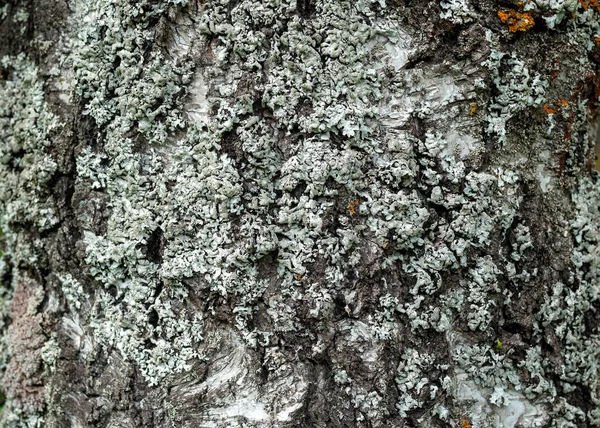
(312,213)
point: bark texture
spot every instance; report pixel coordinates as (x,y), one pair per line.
(299,213)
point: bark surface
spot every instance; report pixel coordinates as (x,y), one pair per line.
(299,213)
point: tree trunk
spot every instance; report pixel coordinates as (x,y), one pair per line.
(299,213)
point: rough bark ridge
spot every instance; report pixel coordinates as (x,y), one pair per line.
(252,213)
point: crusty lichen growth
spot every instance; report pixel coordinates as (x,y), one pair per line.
(516,21)
(300,147)
(290,186)
(26,127)
(567,311)
(516,89)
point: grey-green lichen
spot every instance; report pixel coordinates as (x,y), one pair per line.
(260,167)
(517,88)
(205,191)
(20,18)
(203,160)
(567,310)
(457,11)
(25,128)
(17,418)
(26,168)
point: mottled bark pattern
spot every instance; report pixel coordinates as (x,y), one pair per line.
(299,213)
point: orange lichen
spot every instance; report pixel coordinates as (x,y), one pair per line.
(517,21)
(299,277)
(553,109)
(503,15)
(472,109)
(594,4)
(352,207)
(465,423)
(597,41)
